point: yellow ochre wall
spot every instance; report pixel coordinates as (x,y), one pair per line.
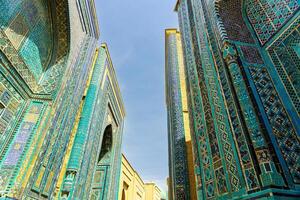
(131,185)
(152,192)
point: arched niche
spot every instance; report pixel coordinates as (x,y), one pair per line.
(36,35)
(124,191)
(106,146)
(123,195)
(102,172)
(28,25)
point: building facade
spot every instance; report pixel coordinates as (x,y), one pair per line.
(181,165)
(152,192)
(131,185)
(61,113)
(242,69)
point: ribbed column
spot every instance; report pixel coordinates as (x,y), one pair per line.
(82,131)
(269,175)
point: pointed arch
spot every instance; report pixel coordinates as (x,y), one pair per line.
(106,146)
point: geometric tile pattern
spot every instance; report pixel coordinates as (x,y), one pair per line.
(221,113)
(220,170)
(11,8)
(268,16)
(26,47)
(53,76)
(13,157)
(58,135)
(283,129)
(285,56)
(251,118)
(32,160)
(30,34)
(36,50)
(10,105)
(208,74)
(240,134)
(201,137)
(12,55)
(99,122)
(84,169)
(16,37)
(30,51)
(251,54)
(102,170)
(231,14)
(206,71)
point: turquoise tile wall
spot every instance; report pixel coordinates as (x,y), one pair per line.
(28,25)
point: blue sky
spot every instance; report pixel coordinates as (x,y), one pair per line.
(134,32)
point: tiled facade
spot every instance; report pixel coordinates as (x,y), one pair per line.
(27,28)
(61,113)
(242,70)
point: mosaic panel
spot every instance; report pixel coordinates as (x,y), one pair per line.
(268,16)
(102,172)
(11,7)
(35,42)
(251,54)
(11,58)
(231,15)
(197,109)
(234,114)
(33,10)
(57,137)
(105,108)
(29,24)
(36,50)
(52,78)
(282,126)
(10,102)
(286,59)
(263,151)
(223,131)
(99,174)
(115,165)
(85,149)
(20,144)
(17,31)
(97,125)
(260,166)
(196,80)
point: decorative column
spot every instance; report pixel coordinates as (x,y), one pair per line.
(268,172)
(77,152)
